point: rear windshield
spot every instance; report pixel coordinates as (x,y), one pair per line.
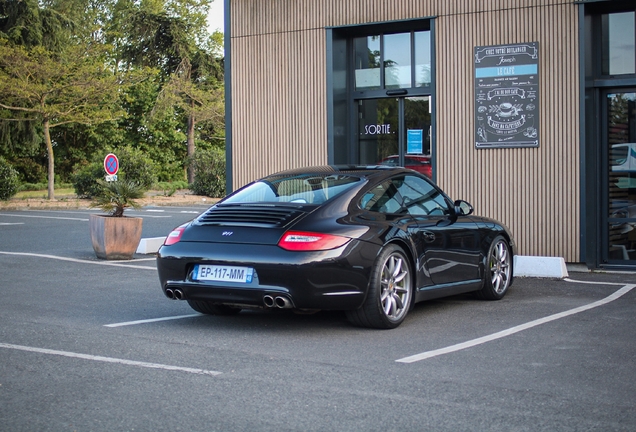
(304,189)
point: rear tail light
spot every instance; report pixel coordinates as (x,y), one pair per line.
(310,241)
(174,236)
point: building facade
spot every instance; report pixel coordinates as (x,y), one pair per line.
(525,108)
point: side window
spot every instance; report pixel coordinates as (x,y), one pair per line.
(384,198)
(422,198)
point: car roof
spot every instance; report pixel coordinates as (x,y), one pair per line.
(362,171)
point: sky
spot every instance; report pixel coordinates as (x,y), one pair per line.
(215,17)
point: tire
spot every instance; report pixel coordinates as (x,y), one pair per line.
(498,271)
(390,293)
(210,308)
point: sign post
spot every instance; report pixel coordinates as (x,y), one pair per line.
(111,165)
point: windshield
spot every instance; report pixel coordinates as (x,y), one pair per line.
(305,189)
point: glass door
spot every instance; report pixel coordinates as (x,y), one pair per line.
(620,163)
(395,132)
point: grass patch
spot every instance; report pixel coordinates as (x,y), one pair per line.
(59,194)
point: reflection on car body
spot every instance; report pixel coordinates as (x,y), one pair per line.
(371,241)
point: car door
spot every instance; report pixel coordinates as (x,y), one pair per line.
(447,243)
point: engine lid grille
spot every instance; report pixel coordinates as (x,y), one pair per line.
(251,215)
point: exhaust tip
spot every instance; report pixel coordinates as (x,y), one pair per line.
(268,300)
(170,294)
(178,295)
(283,302)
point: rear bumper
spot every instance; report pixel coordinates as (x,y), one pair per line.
(331,280)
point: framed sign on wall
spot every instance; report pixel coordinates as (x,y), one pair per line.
(507,96)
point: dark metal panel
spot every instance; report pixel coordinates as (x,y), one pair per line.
(227,42)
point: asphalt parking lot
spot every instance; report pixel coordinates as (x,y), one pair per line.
(93,345)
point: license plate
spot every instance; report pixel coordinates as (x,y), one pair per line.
(205,272)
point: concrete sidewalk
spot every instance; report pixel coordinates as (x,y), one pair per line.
(179,198)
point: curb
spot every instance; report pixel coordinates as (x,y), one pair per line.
(539,266)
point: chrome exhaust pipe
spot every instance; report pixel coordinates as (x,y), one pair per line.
(170,294)
(268,300)
(283,302)
(178,294)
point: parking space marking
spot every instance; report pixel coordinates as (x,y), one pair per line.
(11,223)
(129,323)
(81,261)
(44,217)
(109,359)
(482,340)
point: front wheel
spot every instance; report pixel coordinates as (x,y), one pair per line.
(390,292)
(209,308)
(498,272)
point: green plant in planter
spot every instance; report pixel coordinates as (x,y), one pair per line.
(117,196)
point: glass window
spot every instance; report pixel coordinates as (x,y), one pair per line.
(383,198)
(619,43)
(407,194)
(367,67)
(421,198)
(622,175)
(386,61)
(378,130)
(302,189)
(422,58)
(397,60)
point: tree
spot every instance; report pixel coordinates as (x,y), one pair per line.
(74,86)
(171,35)
(199,95)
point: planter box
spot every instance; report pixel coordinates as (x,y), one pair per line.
(115,238)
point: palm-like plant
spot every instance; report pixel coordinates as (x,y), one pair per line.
(117,196)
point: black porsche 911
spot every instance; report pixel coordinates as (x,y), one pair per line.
(371,241)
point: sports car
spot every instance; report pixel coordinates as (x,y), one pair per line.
(368,240)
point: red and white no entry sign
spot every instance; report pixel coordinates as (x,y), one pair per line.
(111,164)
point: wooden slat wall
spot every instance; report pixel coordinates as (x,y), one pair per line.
(279,102)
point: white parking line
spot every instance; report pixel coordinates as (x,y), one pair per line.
(109,359)
(104,263)
(482,340)
(43,217)
(122,324)
(14,223)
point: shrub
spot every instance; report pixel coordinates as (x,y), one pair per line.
(209,173)
(9,180)
(85,180)
(134,167)
(169,188)
(29,170)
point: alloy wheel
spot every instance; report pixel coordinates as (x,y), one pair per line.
(500,267)
(395,289)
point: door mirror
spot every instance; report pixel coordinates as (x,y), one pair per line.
(462,208)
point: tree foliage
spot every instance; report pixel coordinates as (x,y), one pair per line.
(51,89)
(78,77)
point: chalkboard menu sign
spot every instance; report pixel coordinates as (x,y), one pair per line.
(507,96)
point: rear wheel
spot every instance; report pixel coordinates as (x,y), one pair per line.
(390,292)
(209,308)
(498,270)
